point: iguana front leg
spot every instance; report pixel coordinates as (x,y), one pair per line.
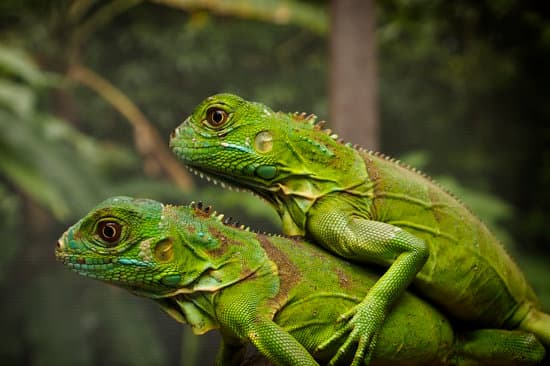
(364,240)
(271,341)
(247,317)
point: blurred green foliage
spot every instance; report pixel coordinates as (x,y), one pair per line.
(463,96)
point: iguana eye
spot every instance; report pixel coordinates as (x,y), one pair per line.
(216,117)
(109,231)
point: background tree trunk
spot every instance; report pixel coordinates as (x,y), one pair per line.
(353,83)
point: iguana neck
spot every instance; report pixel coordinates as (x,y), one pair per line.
(233,254)
(294,196)
(228,254)
(198,309)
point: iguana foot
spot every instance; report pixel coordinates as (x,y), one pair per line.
(364,322)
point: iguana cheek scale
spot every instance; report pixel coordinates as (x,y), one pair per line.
(282,295)
(351,201)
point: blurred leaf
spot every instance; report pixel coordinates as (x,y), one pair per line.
(15,62)
(22,168)
(39,166)
(35,146)
(101,154)
(17,98)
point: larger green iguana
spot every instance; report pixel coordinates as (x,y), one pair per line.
(365,207)
(282,295)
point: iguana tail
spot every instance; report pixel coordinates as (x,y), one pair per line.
(498,347)
(538,323)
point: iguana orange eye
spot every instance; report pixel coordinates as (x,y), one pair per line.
(216,117)
(109,231)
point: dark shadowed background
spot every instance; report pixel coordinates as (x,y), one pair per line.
(90,91)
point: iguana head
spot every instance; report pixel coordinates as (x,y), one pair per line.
(154,250)
(287,159)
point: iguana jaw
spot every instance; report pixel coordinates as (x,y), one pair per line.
(227,182)
(291,199)
(268,195)
(107,269)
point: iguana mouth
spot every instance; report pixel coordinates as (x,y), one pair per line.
(88,267)
(79,263)
(82,264)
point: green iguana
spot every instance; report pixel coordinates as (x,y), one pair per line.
(364,207)
(282,295)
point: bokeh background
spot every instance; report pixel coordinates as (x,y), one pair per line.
(90,91)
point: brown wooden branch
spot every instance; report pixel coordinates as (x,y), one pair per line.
(147,139)
(311,16)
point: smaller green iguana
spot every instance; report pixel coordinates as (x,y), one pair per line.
(364,207)
(282,295)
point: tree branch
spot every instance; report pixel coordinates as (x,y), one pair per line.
(310,16)
(147,139)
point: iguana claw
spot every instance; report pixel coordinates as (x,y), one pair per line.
(365,321)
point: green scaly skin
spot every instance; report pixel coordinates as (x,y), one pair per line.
(365,207)
(283,295)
